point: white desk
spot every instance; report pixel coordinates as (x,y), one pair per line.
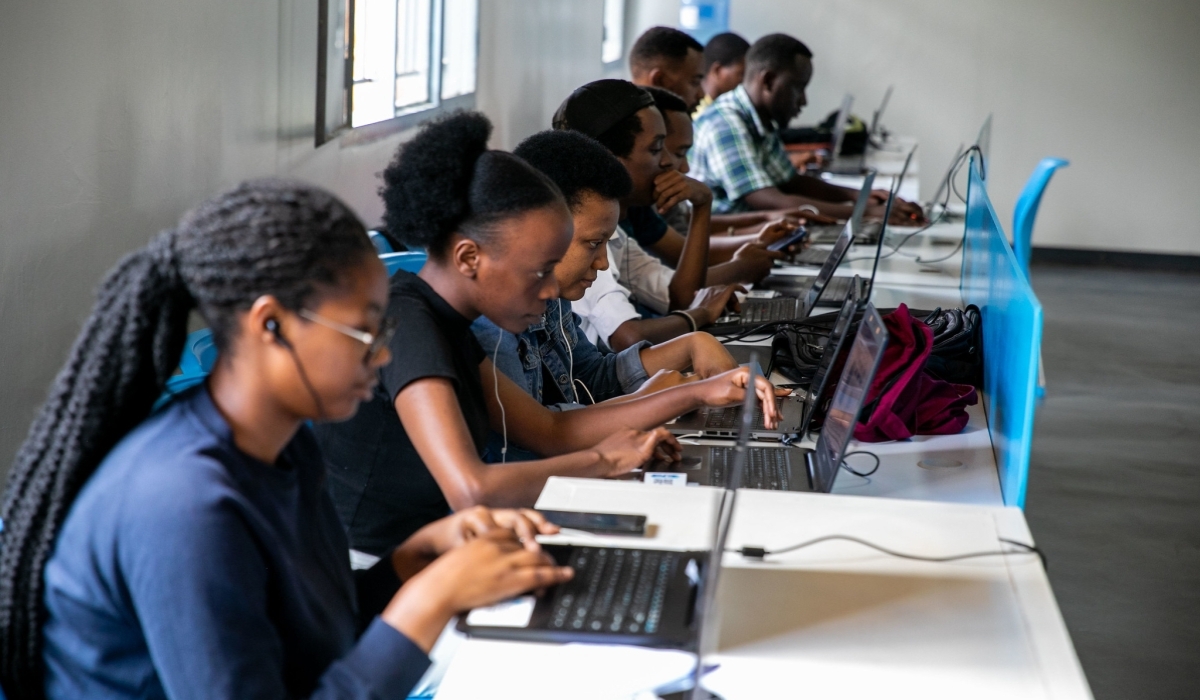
(835,620)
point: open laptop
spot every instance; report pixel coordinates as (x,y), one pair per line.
(839,164)
(640,597)
(984,142)
(757,313)
(876,118)
(830,233)
(785,468)
(838,288)
(715,422)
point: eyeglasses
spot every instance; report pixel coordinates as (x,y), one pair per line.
(375,342)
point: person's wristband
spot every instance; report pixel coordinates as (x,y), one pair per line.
(686,317)
(809,207)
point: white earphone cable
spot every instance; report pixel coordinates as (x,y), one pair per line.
(496,388)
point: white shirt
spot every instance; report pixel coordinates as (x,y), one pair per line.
(604,307)
(644,275)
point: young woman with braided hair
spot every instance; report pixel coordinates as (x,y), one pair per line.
(195,552)
(494,228)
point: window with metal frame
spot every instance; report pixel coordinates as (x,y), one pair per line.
(385,65)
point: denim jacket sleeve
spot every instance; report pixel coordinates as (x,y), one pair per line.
(605,375)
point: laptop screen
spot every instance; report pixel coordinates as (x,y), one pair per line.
(839,125)
(837,340)
(852,390)
(845,239)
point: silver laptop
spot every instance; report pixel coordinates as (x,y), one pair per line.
(984,142)
(838,288)
(784,468)
(839,164)
(877,117)
(829,233)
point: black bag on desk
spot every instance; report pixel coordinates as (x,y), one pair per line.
(957,355)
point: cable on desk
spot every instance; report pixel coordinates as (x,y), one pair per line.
(752,552)
(951,188)
(855,472)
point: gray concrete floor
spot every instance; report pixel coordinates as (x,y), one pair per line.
(1114,491)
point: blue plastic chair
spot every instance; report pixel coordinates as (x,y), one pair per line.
(409,261)
(381,242)
(1026,210)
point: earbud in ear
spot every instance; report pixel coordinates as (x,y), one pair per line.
(273,326)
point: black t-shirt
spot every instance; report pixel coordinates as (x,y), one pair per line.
(644,225)
(380,485)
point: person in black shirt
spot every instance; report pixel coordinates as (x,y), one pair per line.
(494,228)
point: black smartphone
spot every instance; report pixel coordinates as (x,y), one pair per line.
(600,523)
(790,240)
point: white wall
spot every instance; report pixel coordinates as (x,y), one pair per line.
(119,115)
(1112,86)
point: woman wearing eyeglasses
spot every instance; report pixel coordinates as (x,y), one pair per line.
(494,228)
(195,553)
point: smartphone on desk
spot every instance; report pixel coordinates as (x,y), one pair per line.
(789,240)
(599,523)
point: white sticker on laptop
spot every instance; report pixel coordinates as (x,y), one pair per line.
(666,479)
(510,613)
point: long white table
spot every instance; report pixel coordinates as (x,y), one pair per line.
(836,620)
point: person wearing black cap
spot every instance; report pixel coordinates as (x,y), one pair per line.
(668,58)
(625,119)
(724,67)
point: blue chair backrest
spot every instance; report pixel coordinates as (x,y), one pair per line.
(199,353)
(381,242)
(1025,213)
(409,261)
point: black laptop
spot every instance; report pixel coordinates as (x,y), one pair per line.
(796,412)
(640,597)
(785,468)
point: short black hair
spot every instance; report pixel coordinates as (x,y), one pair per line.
(775,52)
(666,101)
(661,42)
(446,180)
(576,163)
(725,49)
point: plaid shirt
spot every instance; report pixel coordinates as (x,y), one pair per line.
(734,154)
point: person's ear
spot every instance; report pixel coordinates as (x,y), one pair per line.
(265,321)
(465,256)
(656,77)
(768,79)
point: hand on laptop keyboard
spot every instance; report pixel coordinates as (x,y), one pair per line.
(728,389)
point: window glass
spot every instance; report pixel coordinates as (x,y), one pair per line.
(413,34)
(459,42)
(614,31)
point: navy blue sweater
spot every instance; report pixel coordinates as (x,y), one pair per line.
(187,569)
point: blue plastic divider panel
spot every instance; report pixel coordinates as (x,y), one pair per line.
(992,279)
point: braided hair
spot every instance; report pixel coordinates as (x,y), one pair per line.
(263,237)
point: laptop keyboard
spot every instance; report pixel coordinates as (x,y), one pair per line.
(768,310)
(729,417)
(614,591)
(766,468)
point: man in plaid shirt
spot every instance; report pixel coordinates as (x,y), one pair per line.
(738,152)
